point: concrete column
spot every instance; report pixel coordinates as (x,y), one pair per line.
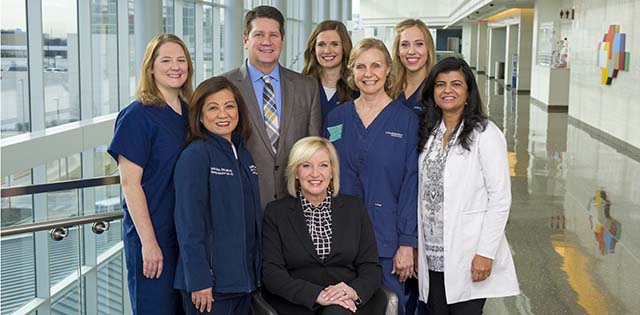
(198,61)
(86,64)
(335,12)
(325,8)
(41,242)
(525,50)
(36,64)
(306,8)
(178,23)
(124,79)
(147,23)
(347,12)
(481,48)
(88,240)
(511,49)
(233,24)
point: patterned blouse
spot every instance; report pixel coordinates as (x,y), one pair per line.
(432,182)
(318,219)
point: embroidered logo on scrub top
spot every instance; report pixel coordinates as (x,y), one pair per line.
(254,169)
(335,133)
(394,134)
(221,171)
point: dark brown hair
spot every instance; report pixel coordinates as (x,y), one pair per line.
(263,11)
(210,86)
(313,68)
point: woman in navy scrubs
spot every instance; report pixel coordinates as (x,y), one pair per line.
(149,136)
(414,55)
(218,215)
(325,58)
(376,138)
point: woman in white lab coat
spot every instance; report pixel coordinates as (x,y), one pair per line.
(464,197)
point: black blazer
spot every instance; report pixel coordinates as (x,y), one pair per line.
(293,274)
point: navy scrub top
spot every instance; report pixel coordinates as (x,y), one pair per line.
(327,104)
(380,164)
(414,102)
(151,137)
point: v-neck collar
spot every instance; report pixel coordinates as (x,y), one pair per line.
(374,122)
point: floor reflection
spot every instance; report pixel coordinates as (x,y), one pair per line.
(574,225)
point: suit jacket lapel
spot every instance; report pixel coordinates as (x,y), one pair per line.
(244,84)
(297,220)
(288,102)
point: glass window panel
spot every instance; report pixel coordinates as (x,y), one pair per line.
(65,203)
(61,75)
(110,289)
(17,280)
(133,71)
(14,78)
(17,210)
(64,256)
(189,28)
(104,37)
(218,42)
(68,302)
(207,32)
(168,16)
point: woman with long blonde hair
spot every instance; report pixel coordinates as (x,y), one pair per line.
(414,55)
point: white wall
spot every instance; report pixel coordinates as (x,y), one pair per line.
(612,108)
(525,55)
(467,37)
(497,40)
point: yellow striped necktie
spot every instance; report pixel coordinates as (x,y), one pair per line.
(270,113)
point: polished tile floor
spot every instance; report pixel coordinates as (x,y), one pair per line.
(574,227)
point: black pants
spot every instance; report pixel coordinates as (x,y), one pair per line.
(234,306)
(437,302)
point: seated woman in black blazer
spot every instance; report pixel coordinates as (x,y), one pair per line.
(319,251)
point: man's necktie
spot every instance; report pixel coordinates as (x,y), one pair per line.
(270,113)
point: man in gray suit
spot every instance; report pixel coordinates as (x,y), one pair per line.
(284,106)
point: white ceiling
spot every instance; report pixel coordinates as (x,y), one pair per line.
(435,13)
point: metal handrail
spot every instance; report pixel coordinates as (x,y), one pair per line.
(58,186)
(66,222)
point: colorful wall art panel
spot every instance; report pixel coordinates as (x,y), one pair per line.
(612,56)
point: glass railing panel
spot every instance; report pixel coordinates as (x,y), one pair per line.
(17,277)
(64,256)
(68,302)
(111,286)
(84,272)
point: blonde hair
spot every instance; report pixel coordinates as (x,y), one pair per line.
(359,49)
(301,152)
(398,69)
(147,92)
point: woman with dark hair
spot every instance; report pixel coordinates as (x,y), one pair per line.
(218,215)
(464,197)
(325,59)
(148,138)
(414,54)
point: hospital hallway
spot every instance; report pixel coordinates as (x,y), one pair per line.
(574,225)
